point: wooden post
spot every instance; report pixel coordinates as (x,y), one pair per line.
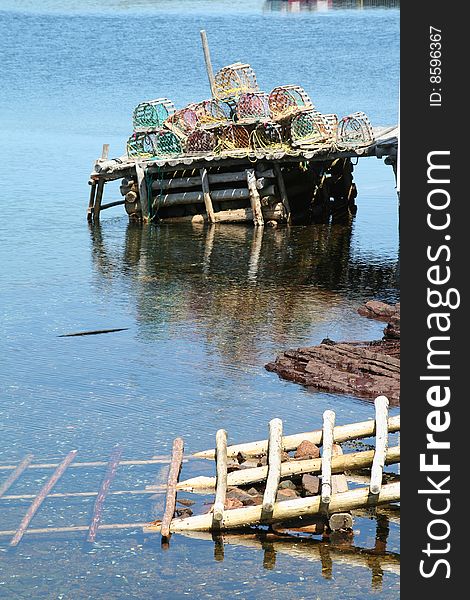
(282,190)
(328,427)
(381,443)
(143,197)
(274,466)
(207,58)
(15,540)
(98,198)
(254,198)
(207,196)
(6,485)
(91,201)
(339,484)
(221,482)
(103,491)
(105,152)
(173,476)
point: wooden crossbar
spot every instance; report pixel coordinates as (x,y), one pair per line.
(73,528)
(16,474)
(155,460)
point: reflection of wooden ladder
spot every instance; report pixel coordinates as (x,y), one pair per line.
(334,500)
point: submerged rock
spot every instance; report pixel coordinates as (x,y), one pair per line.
(307,450)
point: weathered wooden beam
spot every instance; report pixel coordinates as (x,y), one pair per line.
(173,476)
(105,152)
(347,462)
(207,196)
(381,443)
(341,433)
(15,540)
(236,215)
(143,193)
(98,199)
(214,178)
(258,219)
(289,509)
(221,479)
(74,528)
(91,201)
(96,463)
(274,466)
(327,455)
(207,59)
(156,489)
(103,491)
(24,464)
(282,190)
(197,197)
(111,204)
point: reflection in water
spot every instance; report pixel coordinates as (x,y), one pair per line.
(325,5)
(237,284)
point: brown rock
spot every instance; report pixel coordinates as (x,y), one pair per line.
(287,484)
(244,497)
(307,450)
(183,512)
(310,484)
(286,494)
(233,503)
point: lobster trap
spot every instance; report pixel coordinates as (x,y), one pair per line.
(211,113)
(288,100)
(183,121)
(201,142)
(312,128)
(152,114)
(156,144)
(267,136)
(354,131)
(234,80)
(234,139)
(252,107)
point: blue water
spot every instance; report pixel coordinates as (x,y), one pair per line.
(203,314)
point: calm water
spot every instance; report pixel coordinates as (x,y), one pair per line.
(204,311)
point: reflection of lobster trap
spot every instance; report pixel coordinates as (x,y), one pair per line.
(152,114)
(156,144)
(355,131)
(267,136)
(183,121)
(234,80)
(311,128)
(201,142)
(234,139)
(211,113)
(252,107)
(288,100)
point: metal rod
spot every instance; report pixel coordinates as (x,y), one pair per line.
(207,58)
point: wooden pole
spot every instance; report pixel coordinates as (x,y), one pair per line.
(341,433)
(381,443)
(274,467)
(105,152)
(207,58)
(98,198)
(156,489)
(339,484)
(258,219)
(207,196)
(91,201)
(143,197)
(74,528)
(289,509)
(15,540)
(104,488)
(347,462)
(173,476)
(221,481)
(156,460)
(282,190)
(24,464)
(328,427)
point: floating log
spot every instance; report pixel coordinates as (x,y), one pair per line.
(346,462)
(300,507)
(207,196)
(221,481)
(104,488)
(328,427)
(173,476)
(254,197)
(274,466)
(41,496)
(381,443)
(341,433)
(24,464)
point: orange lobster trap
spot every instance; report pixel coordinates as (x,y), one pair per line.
(234,80)
(234,139)
(201,141)
(288,100)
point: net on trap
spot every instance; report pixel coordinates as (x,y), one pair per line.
(234,80)
(211,113)
(312,128)
(267,137)
(288,100)
(152,114)
(156,144)
(234,139)
(183,121)
(201,142)
(252,107)
(354,131)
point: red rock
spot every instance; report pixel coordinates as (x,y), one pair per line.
(233,503)
(307,450)
(286,494)
(310,484)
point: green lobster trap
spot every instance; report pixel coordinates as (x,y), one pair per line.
(312,128)
(152,114)
(156,144)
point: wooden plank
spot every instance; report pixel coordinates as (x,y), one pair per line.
(274,467)
(258,219)
(288,509)
(173,476)
(327,455)
(282,190)
(381,443)
(103,491)
(221,480)
(347,462)
(142,186)
(341,433)
(41,496)
(6,485)
(207,196)
(98,199)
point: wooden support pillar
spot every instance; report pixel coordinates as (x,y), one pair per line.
(91,202)
(381,444)
(173,476)
(274,467)
(207,196)
(98,198)
(143,193)
(328,428)
(258,219)
(282,190)
(339,484)
(105,152)
(221,481)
